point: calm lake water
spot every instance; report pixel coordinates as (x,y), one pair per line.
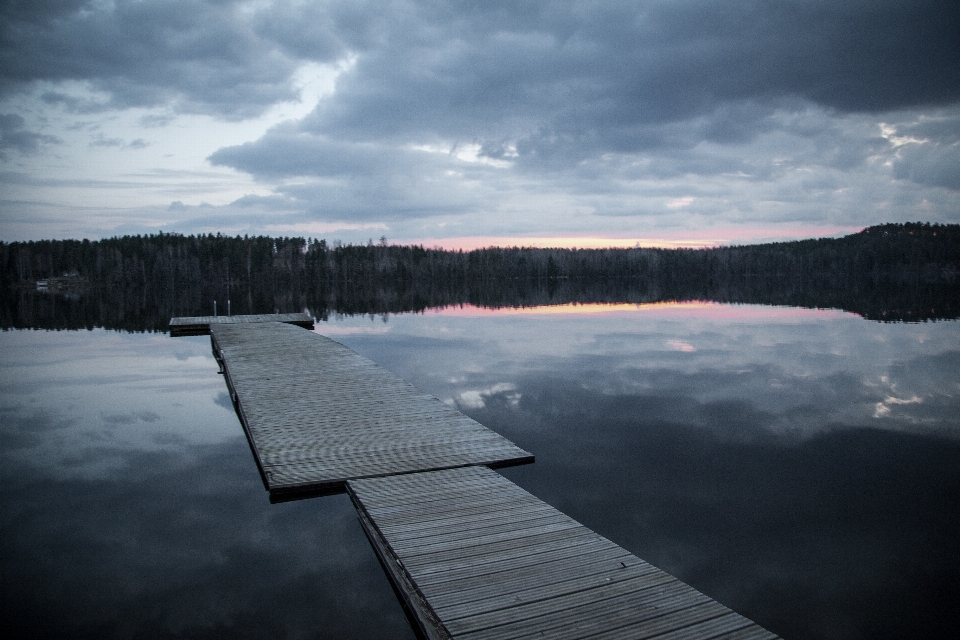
(802,467)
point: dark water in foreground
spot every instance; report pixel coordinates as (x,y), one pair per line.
(802,467)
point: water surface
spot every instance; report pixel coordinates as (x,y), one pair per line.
(132,507)
(800,466)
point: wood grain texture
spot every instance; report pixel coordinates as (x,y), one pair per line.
(318,413)
(491,561)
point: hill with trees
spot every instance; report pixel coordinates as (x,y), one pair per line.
(891,272)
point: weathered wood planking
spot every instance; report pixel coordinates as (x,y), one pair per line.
(200,325)
(476,557)
(317,413)
(473,555)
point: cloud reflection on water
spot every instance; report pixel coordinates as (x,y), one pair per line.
(809,370)
(132,507)
(115,394)
(754,466)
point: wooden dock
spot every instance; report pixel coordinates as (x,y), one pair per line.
(479,558)
(318,414)
(200,325)
(472,555)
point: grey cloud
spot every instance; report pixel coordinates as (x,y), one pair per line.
(597,75)
(936,165)
(583,99)
(139,143)
(244,215)
(289,153)
(274,203)
(493,68)
(938,125)
(27,10)
(14,136)
(349,177)
(559,86)
(74,103)
(382,197)
(154,120)
(933,158)
(323,31)
(102,141)
(768,144)
(202,56)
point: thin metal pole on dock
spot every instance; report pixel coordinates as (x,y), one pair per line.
(228,307)
(214,308)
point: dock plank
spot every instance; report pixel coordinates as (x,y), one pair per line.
(533,572)
(318,414)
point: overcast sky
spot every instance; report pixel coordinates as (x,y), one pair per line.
(471,123)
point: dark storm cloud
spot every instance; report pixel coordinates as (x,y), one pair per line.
(559,83)
(620,66)
(495,66)
(205,56)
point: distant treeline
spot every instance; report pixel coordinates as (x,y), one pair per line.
(887,272)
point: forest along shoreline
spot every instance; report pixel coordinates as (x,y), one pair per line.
(892,272)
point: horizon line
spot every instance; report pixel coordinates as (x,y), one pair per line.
(706,239)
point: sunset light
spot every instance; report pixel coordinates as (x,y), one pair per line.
(677,239)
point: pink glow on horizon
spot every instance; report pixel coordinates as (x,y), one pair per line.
(699,309)
(671,240)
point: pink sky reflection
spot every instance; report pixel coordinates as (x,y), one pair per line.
(699,309)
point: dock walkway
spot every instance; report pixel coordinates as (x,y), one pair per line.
(318,414)
(479,558)
(472,555)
